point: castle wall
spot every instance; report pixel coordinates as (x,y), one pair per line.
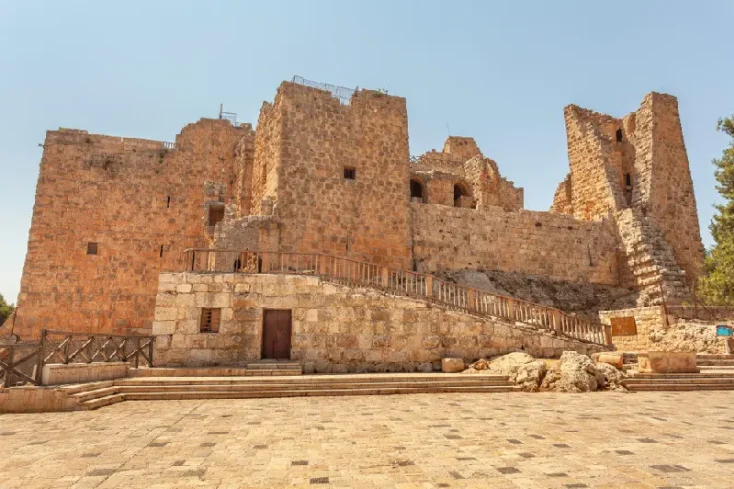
(335,328)
(137,200)
(322,211)
(489,238)
(671,201)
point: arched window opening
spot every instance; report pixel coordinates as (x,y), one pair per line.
(416,191)
(619,135)
(462,197)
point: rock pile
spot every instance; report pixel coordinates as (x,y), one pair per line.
(573,373)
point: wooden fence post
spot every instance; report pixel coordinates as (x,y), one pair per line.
(429,285)
(150,352)
(39,360)
(10,365)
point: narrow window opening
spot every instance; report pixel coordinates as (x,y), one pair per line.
(209,320)
(628,180)
(628,187)
(350,173)
(168,202)
(161,252)
(619,135)
(91,248)
(216,214)
(416,191)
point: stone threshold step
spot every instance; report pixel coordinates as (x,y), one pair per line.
(679,387)
(714,356)
(310,393)
(278,387)
(75,388)
(95,394)
(715,363)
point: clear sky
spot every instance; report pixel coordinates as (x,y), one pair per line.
(500,72)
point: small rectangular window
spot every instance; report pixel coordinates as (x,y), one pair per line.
(209,320)
(350,173)
(216,214)
(91,248)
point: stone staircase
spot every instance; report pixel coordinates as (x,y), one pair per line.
(99,394)
(680,382)
(650,261)
(715,363)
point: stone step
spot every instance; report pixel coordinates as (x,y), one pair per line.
(126,389)
(187,372)
(95,393)
(71,389)
(713,356)
(264,365)
(102,401)
(314,379)
(709,380)
(715,361)
(707,375)
(272,372)
(269,393)
(679,387)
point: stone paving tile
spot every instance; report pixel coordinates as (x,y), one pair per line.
(603,440)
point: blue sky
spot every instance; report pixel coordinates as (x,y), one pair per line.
(498,71)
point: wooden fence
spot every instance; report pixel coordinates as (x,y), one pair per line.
(353,273)
(23,362)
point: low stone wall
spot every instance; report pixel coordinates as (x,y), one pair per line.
(554,246)
(657,331)
(58,373)
(335,328)
(33,399)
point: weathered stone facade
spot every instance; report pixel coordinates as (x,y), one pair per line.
(325,175)
(335,328)
(635,172)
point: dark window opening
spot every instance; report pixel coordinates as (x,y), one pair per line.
(628,179)
(216,214)
(416,190)
(350,173)
(161,252)
(619,135)
(209,320)
(460,196)
(91,248)
(168,202)
(628,188)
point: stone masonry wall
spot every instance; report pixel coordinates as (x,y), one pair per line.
(366,217)
(141,203)
(658,331)
(539,243)
(335,328)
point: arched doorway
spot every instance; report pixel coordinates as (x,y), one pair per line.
(417,191)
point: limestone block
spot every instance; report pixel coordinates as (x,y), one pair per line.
(667,362)
(452,365)
(184,288)
(615,359)
(165,313)
(164,327)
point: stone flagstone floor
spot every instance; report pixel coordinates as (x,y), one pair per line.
(603,440)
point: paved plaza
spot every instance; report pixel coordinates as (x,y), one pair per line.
(609,440)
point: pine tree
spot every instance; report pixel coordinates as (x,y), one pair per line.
(5,310)
(717,287)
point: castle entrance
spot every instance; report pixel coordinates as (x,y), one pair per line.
(277,330)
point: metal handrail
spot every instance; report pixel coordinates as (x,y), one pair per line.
(347,271)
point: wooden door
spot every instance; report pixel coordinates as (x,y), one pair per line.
(277,334)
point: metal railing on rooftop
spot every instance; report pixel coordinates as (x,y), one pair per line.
(344,94)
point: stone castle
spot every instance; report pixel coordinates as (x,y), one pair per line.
(326,172)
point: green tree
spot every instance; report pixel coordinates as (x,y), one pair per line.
(5,310)
(717,286)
